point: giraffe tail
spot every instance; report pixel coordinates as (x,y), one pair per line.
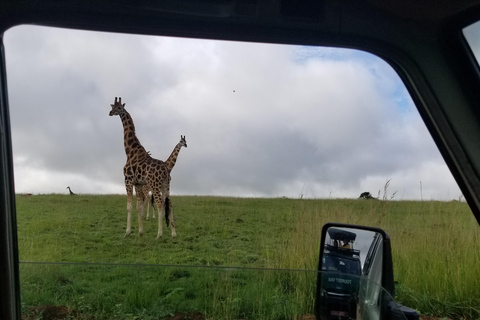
(167,210)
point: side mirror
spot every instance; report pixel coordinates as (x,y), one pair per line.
(355,279)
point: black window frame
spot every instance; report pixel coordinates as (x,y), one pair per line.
(425,45)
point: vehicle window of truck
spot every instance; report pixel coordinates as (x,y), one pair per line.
(273,142)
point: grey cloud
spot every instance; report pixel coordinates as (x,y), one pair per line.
(259,120)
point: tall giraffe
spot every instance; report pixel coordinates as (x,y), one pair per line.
(140,170)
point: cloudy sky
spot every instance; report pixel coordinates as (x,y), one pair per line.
(260,120)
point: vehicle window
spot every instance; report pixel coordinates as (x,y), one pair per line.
(336,302)
(260,146)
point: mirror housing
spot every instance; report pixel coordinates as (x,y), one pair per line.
(387,265)
(355,275)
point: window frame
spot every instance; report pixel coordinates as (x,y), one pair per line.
(430,54)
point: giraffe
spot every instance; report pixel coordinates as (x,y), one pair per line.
(170,162)
(140,170)
(172,159)
(71,193)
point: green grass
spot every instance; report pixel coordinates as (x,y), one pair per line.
(436,252)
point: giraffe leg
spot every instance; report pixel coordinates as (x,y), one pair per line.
(147,205)
(168,209)
(153,208)
(148,208)
(159,218)
(160,208)
(129,188)
(140,200)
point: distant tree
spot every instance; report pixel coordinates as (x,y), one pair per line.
(366,195)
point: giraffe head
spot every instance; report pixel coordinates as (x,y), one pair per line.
(183,142)
(117,107)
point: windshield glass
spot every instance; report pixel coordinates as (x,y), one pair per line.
(160,176)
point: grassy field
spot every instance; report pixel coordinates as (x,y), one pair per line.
(73,256)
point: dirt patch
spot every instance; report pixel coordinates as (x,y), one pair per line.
(187,316)
(424,317)
(53,313)
(63,312)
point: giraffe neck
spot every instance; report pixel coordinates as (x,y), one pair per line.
(173,157)
(130,141)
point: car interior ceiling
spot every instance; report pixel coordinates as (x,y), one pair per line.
(421,40)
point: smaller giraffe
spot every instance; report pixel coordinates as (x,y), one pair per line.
(162,198)
(71,193)
(170,163)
